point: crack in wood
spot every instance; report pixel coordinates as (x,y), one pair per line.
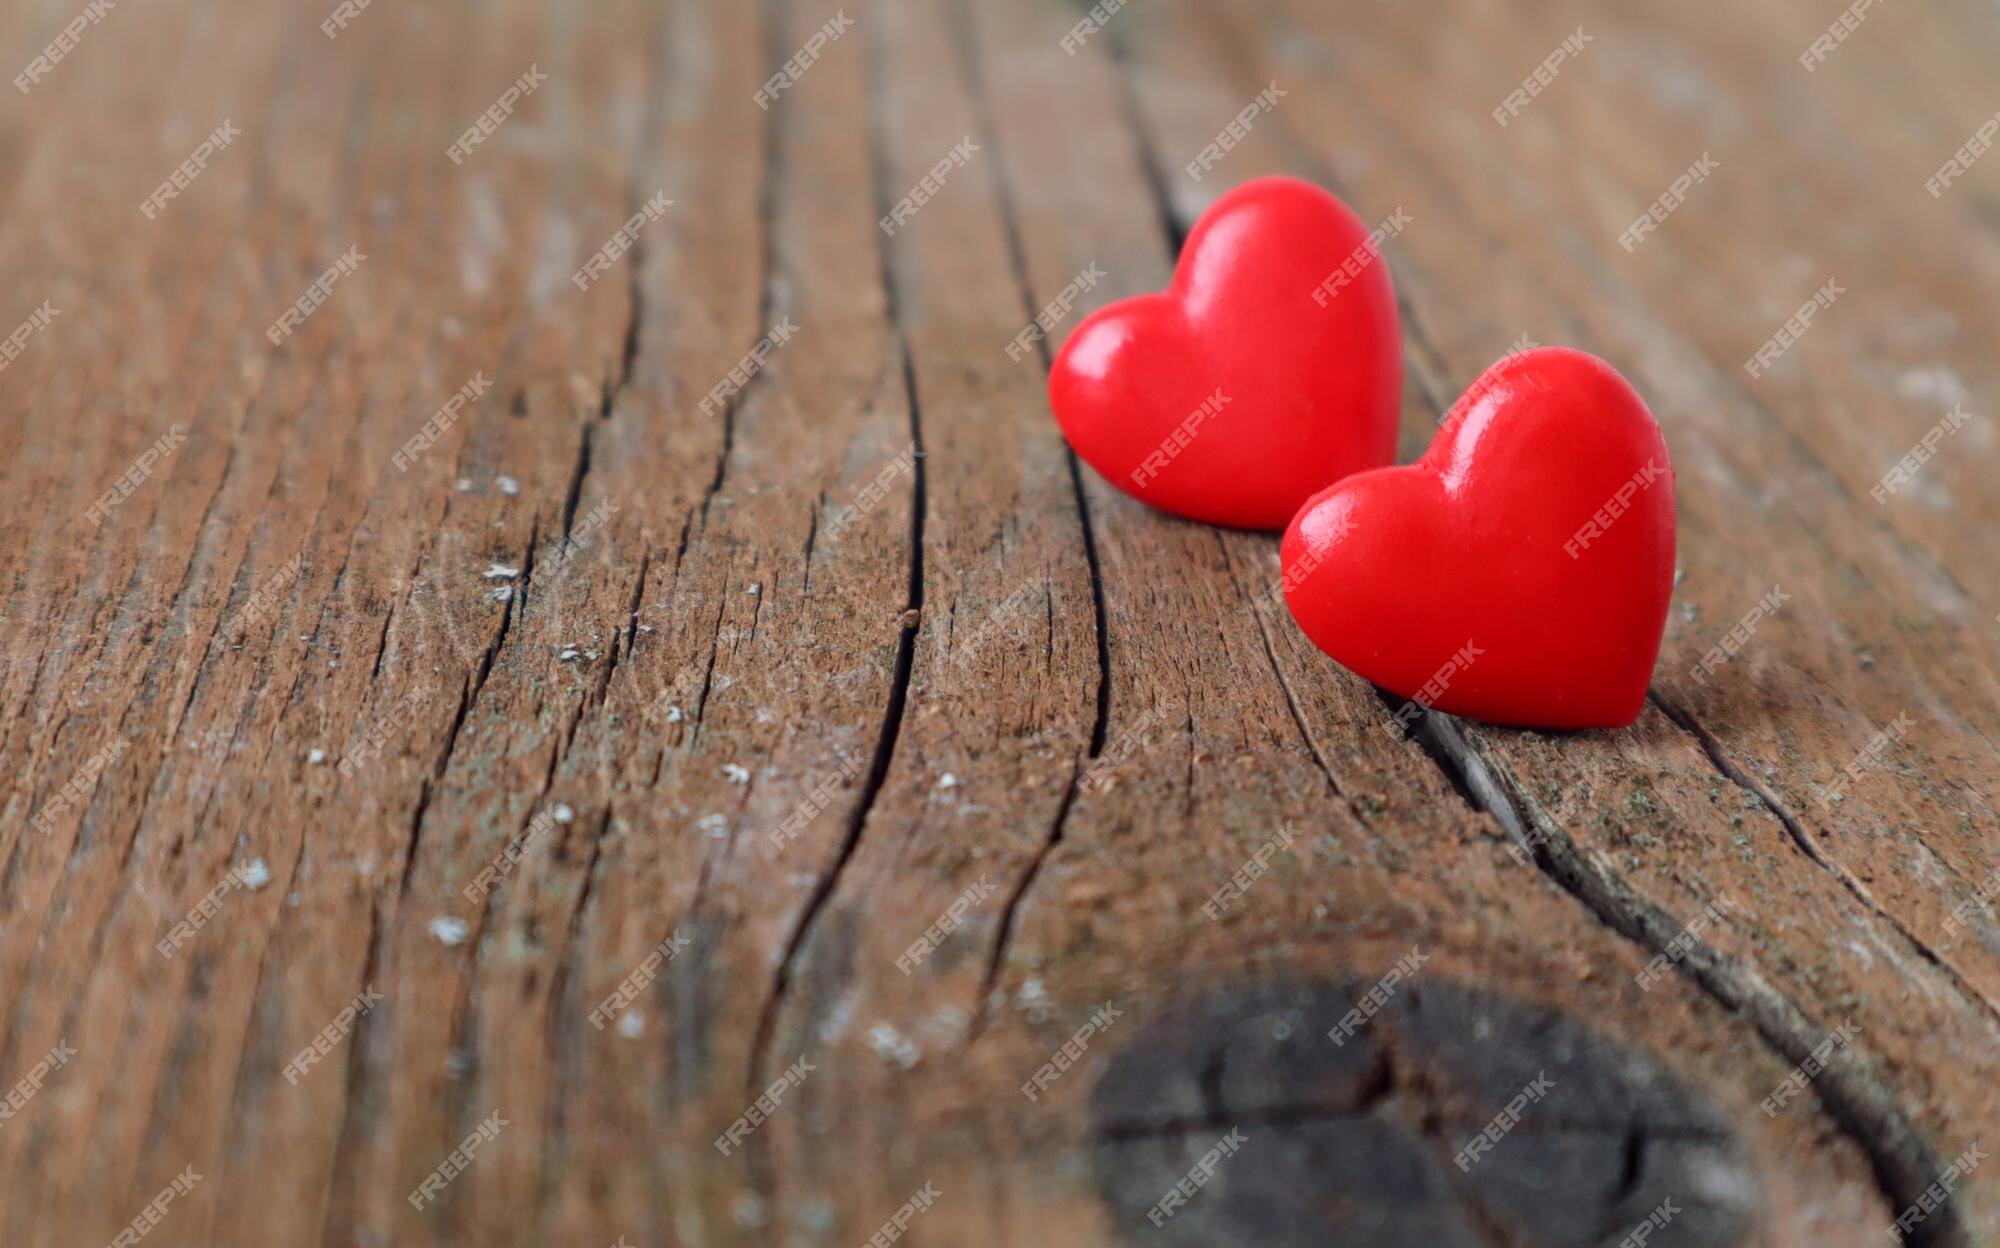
(1865,1106)
(1794,828)
(622,640)
(767,248)
(381,645)
(878,771)
(708,672)
(966,43)
(574,492)
(1010,909)
(1151,167)
(635,293)
(385,1106)
(564,1031)
(353,1068)
(476,680)
(906,639)
(1292,698)
(129,881)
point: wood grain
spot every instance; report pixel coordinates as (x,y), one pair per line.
(778,679)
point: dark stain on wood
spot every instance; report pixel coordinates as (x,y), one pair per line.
(1360,1140)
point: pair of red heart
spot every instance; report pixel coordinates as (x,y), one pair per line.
(1518,573)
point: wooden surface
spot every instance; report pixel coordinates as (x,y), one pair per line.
(936,680)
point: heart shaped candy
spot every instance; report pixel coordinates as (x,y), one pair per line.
(1269,369)
(1520,571)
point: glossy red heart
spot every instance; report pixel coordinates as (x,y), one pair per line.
(1270,368)
(1519,572)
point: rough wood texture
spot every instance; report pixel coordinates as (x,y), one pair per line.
(776,683)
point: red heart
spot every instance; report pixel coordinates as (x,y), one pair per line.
(1519,572)
(1270,368)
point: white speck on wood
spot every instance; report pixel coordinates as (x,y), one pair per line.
(894,1045)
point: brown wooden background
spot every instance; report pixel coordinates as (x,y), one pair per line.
(870,658)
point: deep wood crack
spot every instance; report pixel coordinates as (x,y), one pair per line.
(1865,1106)
(899,682)
(966,41)
(1795,829)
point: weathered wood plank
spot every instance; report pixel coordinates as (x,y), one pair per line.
(1670,818)
(1158,536)
(782,619)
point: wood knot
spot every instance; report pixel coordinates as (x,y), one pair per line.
(1438,1116)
